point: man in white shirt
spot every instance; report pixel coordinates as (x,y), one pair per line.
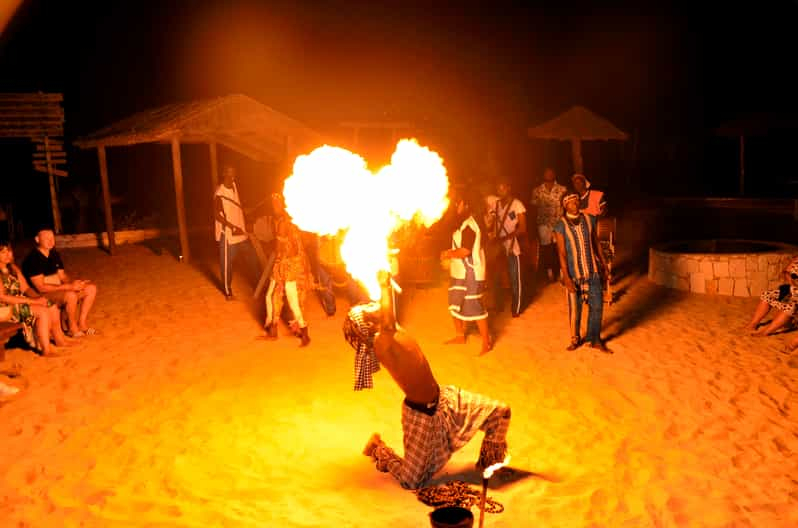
(507,225)
(231,230)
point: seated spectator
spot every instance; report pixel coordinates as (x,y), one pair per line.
(20,304)
(784,299)
(44,269)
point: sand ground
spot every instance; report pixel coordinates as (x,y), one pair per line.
(176,415)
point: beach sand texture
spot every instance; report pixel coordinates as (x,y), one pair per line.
(178,416)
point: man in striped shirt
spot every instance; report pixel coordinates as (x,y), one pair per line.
(584,271)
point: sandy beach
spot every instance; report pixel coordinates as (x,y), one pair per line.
(176,415)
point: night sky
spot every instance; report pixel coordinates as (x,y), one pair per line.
(668,73)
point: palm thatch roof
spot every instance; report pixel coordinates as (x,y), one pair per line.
(578,123)
(235,121)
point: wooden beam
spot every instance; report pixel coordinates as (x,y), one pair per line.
(49,169)
(576,153)
(53,194)
(376,124)
(214,165)
(109,219)
(177,170)
(742,165)
(32,97)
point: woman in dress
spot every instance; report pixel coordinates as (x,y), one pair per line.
(19,303)
(290,275)
(466,260)
(784,299)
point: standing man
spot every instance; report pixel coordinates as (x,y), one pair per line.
(584,271)
(467,273)
(231,230)
(508,229)
(44,269)
(591,201)
(547,199)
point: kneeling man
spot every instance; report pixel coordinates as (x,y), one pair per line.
(436,421)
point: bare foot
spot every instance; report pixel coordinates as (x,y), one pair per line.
(487,346)
(51,352)
(748,329)
(456,340)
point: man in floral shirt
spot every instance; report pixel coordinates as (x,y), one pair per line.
(547,200)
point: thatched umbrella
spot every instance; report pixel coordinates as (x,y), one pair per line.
(576,125)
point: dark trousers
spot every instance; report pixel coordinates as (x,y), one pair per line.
(595,301)
(550,259)
(228,253)
(516,278)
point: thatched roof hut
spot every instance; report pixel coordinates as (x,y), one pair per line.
(237,122)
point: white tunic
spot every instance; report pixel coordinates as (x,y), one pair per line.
(231,205)
(457,267)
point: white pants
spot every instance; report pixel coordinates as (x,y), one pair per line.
(293,302)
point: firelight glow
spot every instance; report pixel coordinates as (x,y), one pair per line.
(488,473)
(332,190)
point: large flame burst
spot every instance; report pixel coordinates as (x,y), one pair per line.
(332,190)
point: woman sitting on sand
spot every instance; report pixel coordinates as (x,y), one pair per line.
(784,299)
(40,319)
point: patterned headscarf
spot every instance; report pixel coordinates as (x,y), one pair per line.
(360,327)
(568,197)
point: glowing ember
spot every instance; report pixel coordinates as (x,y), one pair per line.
(331,190)
(488,473)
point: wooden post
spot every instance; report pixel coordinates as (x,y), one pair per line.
(742,165)
(288,166)
(109,219)
(576,153)
(53,194)
(214,166)
(177,170)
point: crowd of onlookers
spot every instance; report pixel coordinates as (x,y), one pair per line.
(495,251)
(494,255)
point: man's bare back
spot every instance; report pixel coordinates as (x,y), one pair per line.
(401,356)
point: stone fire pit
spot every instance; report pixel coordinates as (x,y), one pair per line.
(743,268)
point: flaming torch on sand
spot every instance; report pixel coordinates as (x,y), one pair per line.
(486,475)
(331,190)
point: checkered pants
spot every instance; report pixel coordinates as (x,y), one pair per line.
(430,441)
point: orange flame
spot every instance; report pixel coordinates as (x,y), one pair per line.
(332,190)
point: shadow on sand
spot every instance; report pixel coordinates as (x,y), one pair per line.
(502,478)
(635,310)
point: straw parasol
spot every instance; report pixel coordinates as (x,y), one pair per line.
(576,125)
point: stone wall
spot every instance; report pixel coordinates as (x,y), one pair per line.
(739,274)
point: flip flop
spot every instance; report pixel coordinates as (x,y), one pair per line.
(75,334)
